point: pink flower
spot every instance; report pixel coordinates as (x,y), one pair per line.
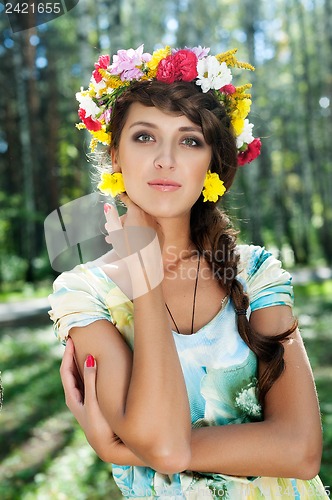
(103,62)
(185,62)
(253,150)
(126,63)
(228,89)
(166,70)
(199,51)
(89,122)
(107,115)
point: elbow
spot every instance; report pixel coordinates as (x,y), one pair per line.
(309,466)
(308,459)
(164,456)
(166,461)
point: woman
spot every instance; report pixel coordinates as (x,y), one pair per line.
(209,338)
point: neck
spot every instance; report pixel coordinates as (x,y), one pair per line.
(175,240)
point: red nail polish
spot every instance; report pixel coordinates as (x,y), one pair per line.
(107,207)
(90,361)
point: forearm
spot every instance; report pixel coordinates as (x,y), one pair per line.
(157,401)
(251,449)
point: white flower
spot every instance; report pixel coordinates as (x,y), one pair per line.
(86,103)
(247,402)
(212,74)
(99,88)
(246,134)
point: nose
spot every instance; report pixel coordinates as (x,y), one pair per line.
(165,158)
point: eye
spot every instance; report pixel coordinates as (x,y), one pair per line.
(143,137)
(191,142)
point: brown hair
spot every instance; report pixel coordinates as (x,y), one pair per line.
(210,227)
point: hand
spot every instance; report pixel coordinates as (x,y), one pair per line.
(139,226)
(81,399)
(136,216)
(136,245)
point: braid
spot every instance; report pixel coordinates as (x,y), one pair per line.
(222,242)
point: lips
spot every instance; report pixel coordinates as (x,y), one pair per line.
(164,182)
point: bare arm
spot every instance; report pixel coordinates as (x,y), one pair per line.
(141,403)
(139,393)
(288,443)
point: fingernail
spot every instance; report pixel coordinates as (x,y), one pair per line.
(107,207)
(90,361)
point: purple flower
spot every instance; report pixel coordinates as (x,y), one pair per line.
(127,63)
(107,115)
(200,52)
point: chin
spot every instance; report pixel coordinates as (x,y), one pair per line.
(164,206)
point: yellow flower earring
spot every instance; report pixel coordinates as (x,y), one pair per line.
(111,183)
(213,187)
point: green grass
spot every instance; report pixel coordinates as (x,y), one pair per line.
(44,454)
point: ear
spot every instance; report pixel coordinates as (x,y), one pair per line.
(115,160)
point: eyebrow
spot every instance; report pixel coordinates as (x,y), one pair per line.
(181,129)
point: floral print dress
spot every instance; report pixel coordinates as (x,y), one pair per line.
(220,372)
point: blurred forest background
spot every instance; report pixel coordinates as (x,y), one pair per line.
(282,200)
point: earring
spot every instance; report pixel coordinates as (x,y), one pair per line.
(213,187)
(111,183)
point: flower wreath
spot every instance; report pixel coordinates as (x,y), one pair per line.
(109,81)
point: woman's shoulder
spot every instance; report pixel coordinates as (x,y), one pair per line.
(97,276)
(252,257)
(263,277)
(87,293)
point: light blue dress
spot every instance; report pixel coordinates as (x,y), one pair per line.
(220,372)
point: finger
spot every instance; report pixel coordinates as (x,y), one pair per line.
(113,222)
(68,356)
(90,372)
(68,371)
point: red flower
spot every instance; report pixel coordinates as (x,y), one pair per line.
(165,70)
(185,63)
(96,75)
(178,66)
(103,62)
(89,122)
(253,150)
(228,89)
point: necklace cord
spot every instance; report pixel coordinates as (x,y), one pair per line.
(194,302)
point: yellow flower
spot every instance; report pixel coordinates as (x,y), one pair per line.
(92,90)
(243,107)
(80,126)
(230,59)
(213,187)
(240,92)
(157,56)
(111,183)
(93,145)
(239,114)
(238,125)
(101,136)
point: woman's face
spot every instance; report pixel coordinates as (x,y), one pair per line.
(157,149)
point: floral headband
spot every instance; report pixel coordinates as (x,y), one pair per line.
(109,81)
